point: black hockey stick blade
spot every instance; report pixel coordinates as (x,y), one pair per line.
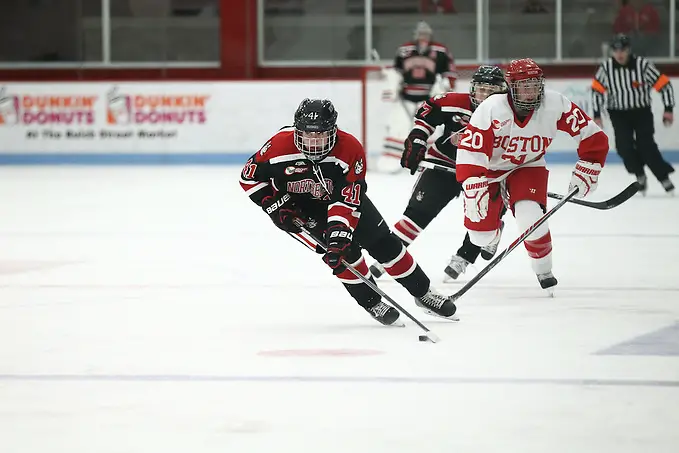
(617,200)
(512,246)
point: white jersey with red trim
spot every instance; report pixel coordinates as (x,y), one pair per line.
(496,140)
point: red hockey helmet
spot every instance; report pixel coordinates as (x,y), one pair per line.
(526,84)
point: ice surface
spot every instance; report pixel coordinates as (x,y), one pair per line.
(158,310)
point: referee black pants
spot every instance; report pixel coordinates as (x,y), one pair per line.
(635,142)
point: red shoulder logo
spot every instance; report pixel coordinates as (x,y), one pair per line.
(499,125)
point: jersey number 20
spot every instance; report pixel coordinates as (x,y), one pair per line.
(472,139)
(576,120)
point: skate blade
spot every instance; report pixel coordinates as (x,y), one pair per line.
(448,279)
(550,292)
(453,318)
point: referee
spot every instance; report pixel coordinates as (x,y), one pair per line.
(625,81)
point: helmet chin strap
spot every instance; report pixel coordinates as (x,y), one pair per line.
(522,113)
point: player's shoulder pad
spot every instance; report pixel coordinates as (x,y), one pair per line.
(453,99)
(492,107)
(406,48)
(348,151)
(553,100)
(438,47)
(281,144)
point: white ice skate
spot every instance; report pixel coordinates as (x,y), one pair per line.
(488,252)
(548,282)
(642,183)
(668,186)
(455,268)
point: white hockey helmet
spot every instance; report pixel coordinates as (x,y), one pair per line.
(422,28)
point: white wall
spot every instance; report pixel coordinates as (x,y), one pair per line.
(227,119)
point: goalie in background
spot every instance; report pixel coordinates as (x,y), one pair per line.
(423,68)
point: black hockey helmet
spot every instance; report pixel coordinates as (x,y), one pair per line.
(486,80)
(315,128)
(621,41)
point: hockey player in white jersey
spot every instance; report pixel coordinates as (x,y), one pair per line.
(511,134)
(422,68)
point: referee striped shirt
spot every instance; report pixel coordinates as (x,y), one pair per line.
(625,87)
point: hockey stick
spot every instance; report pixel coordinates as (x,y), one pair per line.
(613,202)
(617,200)
(513,245)
(431,336)
(427,164)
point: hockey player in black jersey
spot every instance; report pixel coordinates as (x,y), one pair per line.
(434,189)
(315,172)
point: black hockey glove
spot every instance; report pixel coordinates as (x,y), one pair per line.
(415,147)
(338,241)
(283,212)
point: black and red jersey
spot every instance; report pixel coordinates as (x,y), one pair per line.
(419,68)
(453,111)
(337,181)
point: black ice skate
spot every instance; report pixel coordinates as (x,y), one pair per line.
(488,252)
(376,270)
(668,186)
(385,314)
(642,183)
(437,304)
(548,282)
(455,268)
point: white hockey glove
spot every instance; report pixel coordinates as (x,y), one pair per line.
(389,96)
(585,177)
(393,82)
(476,197)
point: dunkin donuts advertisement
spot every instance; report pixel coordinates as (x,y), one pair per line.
(118,117)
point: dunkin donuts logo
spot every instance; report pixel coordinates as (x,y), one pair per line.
(46,109)
(155,109)
(9,108)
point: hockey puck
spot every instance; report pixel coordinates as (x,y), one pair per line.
(423,338)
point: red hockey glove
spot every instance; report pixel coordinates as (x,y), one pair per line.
(585,177)
(415,147)
(283,212)
(338,239)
